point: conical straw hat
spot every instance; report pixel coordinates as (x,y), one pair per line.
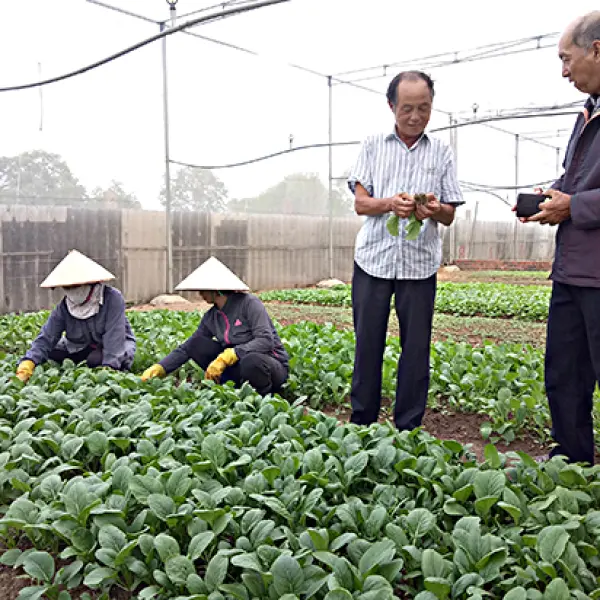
(76,269)
(212,275)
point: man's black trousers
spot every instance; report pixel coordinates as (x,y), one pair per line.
(572,368)
(414,302)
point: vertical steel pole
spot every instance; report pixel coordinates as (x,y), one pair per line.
(330,188)
(515,233)
(169,239)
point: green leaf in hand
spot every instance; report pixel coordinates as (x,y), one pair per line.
(393,224)
(413,227)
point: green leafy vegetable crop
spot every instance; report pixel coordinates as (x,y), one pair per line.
(204,492)
(178,488)
(527,303)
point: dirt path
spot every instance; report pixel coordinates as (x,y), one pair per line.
(460,427)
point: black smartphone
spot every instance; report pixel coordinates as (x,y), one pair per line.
(529,204)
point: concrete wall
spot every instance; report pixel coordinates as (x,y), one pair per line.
(503,240)
(267,251)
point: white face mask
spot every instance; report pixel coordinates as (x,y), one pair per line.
(78,295)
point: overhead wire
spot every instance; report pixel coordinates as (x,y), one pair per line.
(485,186)
(354,143)
(480,49)
(333,78)
(450,61)
(488,51)
(221,5)
(154,38)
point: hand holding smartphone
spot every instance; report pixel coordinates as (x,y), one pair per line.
(529,204)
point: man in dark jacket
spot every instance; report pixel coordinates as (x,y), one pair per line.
(572,364)
(235,341)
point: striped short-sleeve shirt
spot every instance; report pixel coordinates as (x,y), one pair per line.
(386,167)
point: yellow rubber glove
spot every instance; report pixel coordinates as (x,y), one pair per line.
(153,371)
(227,358)
(25,370)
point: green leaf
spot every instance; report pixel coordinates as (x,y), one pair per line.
(463,493)
(112,537)
(426,595)
(195,584)
(452,507)
(377,554)
(287,575)
(237,590)
(393,225)
(557,589)
(83,539)
(178,568)
(433,564)
(551,543)
(485,429)
(179,483)
(342,540)
(39,566)
(161,505)
(439,586)
(141,486)
(518,593)
(10,557)
(33,592)
(395,533)
(513,511)
(121,478)
(97,576)
(489,483)
(492,456)
(484,505)
(166,546)
(339,594)
(420,521)
(199,543)
(464,582)
(247,561)
(149,592)
(343,571)
(413,227)
(97,443)
(214,450)
(70,447)
(216,571)
(357,462)
(320,539)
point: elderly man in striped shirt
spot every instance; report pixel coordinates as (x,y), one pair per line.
(391,169)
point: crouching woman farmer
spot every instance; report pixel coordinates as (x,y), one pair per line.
(235,341)
(91,316)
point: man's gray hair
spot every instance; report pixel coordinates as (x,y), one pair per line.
(587,30)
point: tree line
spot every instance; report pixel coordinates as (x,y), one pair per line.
(38,177)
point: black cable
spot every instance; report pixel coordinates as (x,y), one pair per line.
(154,38)
(452,53)
(457,61)
(355,143)
(221,5)
(261,158)
(484,186)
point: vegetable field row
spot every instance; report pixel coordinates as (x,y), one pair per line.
(504,382)
(528,303)
(207,493)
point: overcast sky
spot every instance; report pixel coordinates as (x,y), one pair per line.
(226,106)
